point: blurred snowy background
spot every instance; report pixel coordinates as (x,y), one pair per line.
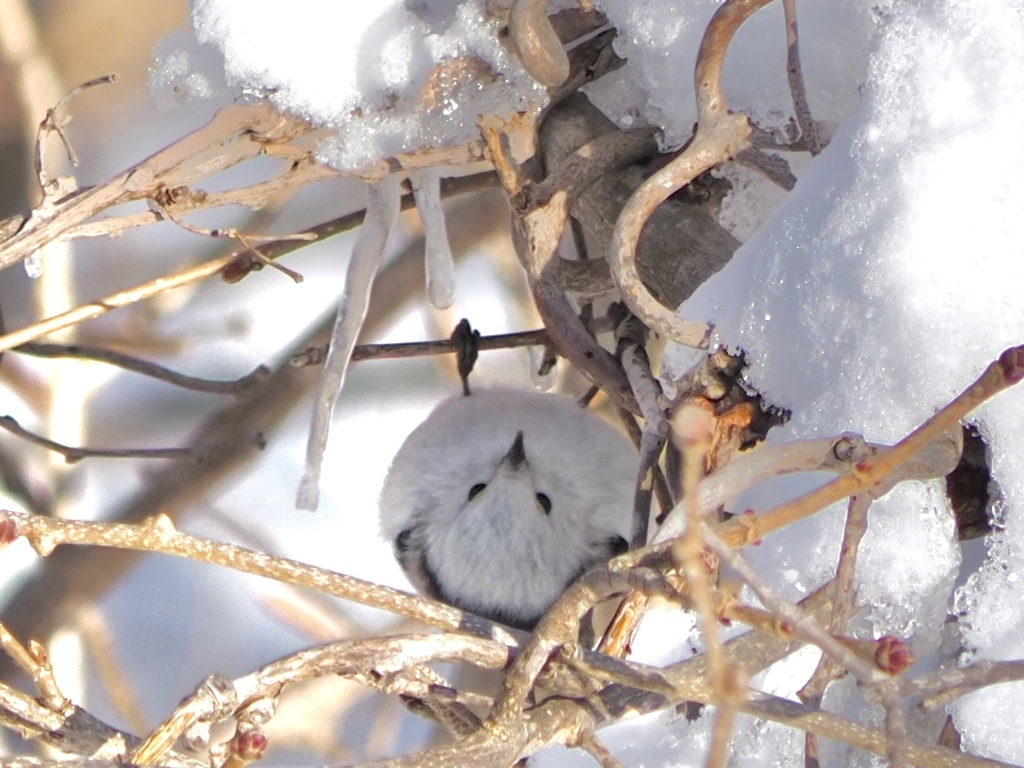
(867,297)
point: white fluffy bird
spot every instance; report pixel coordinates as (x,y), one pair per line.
(501,499)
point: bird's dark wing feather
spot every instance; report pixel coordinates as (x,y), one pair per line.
(410,554)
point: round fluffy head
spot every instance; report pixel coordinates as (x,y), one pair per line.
(498,524)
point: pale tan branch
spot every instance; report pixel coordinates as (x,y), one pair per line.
(875,474)
(692,429)
(158,534)
(946,685)
(256,196)
(843,597)
(34,662)
(235,134)
(372,661)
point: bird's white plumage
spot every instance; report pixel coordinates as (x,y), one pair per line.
(499,554)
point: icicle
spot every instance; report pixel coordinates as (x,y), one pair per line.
(34,264)
(543,368)
(382,209)
(426,188)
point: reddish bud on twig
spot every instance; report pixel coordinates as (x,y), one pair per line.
(239,268)
(888,653)
(1012,363)
(249,745)
(892,655)
(8,529)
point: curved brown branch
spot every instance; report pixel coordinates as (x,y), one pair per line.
(719,136)
(539,48)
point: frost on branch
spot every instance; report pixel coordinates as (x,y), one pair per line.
(382,207)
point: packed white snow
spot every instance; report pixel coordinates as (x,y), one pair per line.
(883,285)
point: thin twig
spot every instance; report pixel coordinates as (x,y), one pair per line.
(235,134)
(376,662)
(247,241)
(843,598)
(134,364)
(692,429)
(33,661)
(233,266)
(316,355)
(808,130)
(53,122)
(662,492)
(72,454)
(631,335)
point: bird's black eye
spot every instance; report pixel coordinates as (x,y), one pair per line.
(545,503)
(402,541)
(476,490)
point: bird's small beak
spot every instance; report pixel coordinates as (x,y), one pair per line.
(516,457)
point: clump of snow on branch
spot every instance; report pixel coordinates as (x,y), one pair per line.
(385,77)
(440,266)
(184,71)
(659,40)
(382,208)
(877,292)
